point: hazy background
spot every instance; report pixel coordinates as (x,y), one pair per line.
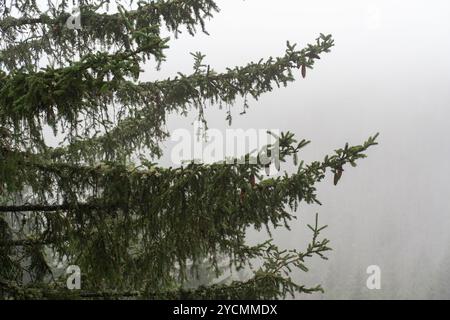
(390,73)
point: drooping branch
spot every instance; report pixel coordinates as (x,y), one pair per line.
(49,208)
(82,89)
(174,13)
(268,282)
(48,35)
(193,204)
(183,92)
(25,243)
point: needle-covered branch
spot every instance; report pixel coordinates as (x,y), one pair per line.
(47,34)
(142,206)
(270,281)
(141,107)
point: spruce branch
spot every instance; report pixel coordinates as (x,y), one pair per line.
(143,127)
(52,39)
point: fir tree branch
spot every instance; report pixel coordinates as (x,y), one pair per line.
(83,89)
(267,283)
(175,13)
(181,93)
(50,208)
(54,40)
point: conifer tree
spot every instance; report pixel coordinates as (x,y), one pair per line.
(134,228)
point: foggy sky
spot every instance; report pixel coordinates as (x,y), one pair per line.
(389,72)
